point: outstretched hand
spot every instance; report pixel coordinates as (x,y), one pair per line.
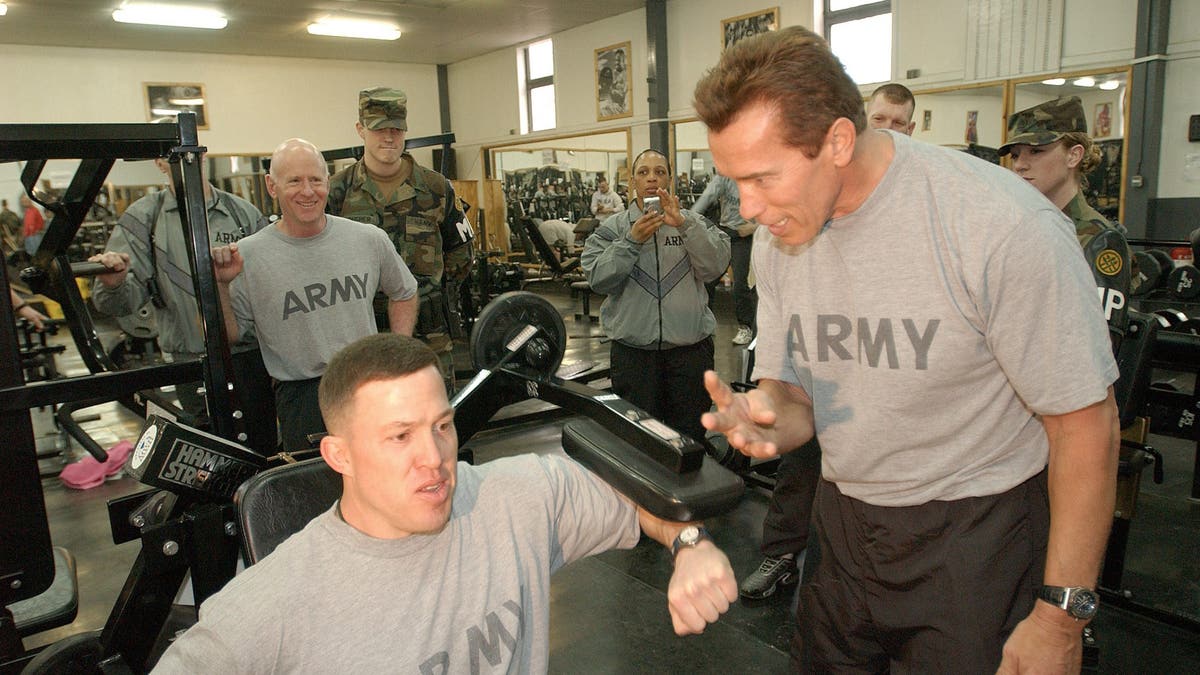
(747,420)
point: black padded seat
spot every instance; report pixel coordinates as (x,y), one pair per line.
(277,503)
(54,607)
(584,291)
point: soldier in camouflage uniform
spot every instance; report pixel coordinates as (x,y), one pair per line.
(416,206)
(1051,149)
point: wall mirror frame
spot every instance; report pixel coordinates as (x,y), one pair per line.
(962,116)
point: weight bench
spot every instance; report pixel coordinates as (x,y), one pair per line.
(565,270)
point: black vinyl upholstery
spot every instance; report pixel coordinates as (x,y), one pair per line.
(277,503)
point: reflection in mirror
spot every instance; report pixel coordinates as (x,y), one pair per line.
(962,118)
(243,176)
(555,178)
(693,161)
(1103,98)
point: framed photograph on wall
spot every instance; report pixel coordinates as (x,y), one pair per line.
(741,27)
(165,100)
(613,97)
(1102,125)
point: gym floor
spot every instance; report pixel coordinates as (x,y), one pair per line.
(609,613)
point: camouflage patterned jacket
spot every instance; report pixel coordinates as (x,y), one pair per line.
(1089,223)
(425,207)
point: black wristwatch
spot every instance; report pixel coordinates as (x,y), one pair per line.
(688,537)
(1079,602)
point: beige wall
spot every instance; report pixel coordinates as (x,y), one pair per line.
(257,101)
(254,102)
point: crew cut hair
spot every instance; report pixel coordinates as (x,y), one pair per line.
(895,93)
(791,70)
(382,356)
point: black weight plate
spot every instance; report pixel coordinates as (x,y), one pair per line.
(503,318)
(1149,271)
(1184,282)
(1165,261)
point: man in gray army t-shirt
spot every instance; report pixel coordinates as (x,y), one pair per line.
(307,286)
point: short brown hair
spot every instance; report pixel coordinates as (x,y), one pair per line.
(895,93)
(792,70)
(383,356)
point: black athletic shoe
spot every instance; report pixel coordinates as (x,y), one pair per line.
(771,575)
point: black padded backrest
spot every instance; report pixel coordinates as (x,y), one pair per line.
(543,248)
(279,502)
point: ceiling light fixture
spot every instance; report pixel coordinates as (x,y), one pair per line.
(1055,82)
(1084,82)
(1110,85)
(355,28)
(3,9)
(185,101)
(169,15)
(164,111)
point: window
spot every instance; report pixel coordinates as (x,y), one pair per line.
(535,79)
(860,34)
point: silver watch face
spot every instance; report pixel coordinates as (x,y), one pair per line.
(689,535)
(1083,604)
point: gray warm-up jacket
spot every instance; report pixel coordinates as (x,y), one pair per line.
(656,295)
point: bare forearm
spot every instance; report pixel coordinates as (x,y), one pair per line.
(662,531)
(1082,485)
(232,332)
(402,315)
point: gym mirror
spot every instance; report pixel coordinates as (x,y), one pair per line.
(693,162)
(1105,102)
(961,117)
(555,177)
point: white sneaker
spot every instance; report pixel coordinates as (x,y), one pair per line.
(743,335)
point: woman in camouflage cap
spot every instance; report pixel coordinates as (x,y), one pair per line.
(1051,149)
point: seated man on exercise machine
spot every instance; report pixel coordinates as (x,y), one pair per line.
(434,554)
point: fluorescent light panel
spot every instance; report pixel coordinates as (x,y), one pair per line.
(1110,85)
(3,9)
(355,28)
(1055,82)
(170,15)
(1084,82)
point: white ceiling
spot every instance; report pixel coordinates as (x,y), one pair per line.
(434,31)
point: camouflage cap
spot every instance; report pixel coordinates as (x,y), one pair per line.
(1045,123)
(383,108)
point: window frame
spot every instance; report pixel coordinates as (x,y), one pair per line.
(830,18)
(529,84)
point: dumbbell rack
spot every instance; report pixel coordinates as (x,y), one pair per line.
(1175,413)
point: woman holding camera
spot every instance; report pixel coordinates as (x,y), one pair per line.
(651,261)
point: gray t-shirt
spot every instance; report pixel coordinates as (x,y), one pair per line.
(474,597)
(931,327)
(308,297)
